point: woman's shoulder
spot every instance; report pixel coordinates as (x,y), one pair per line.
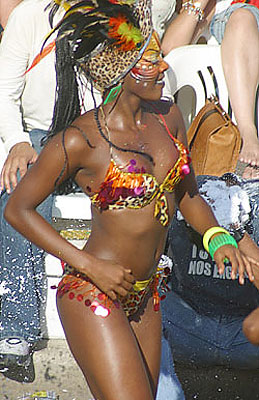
(80,136)
(83,128)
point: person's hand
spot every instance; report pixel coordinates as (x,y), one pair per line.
(112,278)
(240,263)
(255,269)
(248,247)
(18,158)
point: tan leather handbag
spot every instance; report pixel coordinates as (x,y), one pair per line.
(214,140)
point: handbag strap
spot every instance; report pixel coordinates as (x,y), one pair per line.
(215,84)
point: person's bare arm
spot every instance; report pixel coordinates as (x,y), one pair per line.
(6,7)
(185,27)
(251,250)
(199,215)
(36,185)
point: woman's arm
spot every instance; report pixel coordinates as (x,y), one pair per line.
(35,186)
(199,215)
(185,27)
(251,250)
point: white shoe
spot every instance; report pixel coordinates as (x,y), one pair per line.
(14,351)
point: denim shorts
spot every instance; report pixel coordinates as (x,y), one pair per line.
(219,21)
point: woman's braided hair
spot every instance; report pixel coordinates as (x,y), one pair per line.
(68,70)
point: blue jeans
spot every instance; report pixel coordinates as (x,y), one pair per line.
(22,273)
(169,387)
(206,340)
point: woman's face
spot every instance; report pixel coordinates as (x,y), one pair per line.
(148,73)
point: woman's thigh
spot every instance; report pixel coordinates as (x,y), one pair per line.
(147,327)
(107,351)
(219,21)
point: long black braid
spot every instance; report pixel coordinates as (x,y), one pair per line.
(67,106)
(67,103)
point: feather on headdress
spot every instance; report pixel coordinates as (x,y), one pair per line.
(105,35)
(87,25)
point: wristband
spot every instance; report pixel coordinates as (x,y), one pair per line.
(209,233)
(220,241)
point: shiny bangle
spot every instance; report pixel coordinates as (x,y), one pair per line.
(194,8)
(219,241)
(209,233)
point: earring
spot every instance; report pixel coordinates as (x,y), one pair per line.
(113,93)
(145,84)
(137,81)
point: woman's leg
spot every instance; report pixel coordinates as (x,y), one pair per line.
(108,352)
(240,59)
(147,326)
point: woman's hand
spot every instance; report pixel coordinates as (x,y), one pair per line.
(111,278)
(240,263)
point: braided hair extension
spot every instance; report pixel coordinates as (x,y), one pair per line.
(96,115)
(67,100)
(67,103)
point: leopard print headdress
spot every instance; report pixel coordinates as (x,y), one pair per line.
(105,37)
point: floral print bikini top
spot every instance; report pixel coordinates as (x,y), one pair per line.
(136,189)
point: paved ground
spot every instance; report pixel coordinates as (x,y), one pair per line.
(54,370)
(218,383)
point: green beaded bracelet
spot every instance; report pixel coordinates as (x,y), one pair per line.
(219,241)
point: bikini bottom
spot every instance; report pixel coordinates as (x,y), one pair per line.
(81,288)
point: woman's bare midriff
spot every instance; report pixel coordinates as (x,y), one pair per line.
(135,240)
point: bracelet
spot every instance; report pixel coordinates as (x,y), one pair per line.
(209,233)
(220,241)
(194,8)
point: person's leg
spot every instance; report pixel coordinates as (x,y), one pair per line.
(236,351)
(22,280)
(169,387)
(204,341)
(191,336)
(240,60)
(116,361)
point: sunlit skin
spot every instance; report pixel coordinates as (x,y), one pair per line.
(118,355)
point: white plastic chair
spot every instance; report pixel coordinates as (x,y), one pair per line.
(197,67)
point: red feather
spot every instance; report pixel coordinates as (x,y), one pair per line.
(48,49)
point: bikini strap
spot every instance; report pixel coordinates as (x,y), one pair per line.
(162,120)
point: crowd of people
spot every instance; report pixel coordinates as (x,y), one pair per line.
(126,149)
